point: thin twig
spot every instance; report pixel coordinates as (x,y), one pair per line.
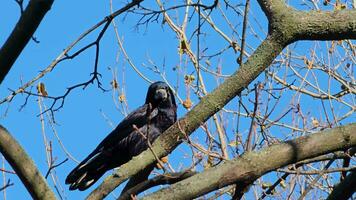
(149,146)
(54,166)
(7,171)
(314,172)
(8,184)
(247,7)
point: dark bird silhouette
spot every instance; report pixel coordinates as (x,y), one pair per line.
(128,139)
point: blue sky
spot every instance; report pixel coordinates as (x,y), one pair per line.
(83,121)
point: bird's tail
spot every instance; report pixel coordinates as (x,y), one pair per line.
(86,173)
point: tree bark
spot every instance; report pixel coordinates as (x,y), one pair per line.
(22,33)
(253,165)
(345,189)
(24,167)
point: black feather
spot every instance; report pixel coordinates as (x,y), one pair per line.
(157,114)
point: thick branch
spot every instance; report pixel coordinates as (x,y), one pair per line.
(22,33)
(255,164)
(24,167)
(345,189)
(293,25)
(333,156)
(331,25)
(271,8)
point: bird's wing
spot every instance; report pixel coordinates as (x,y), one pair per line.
(100,160)
(138,117)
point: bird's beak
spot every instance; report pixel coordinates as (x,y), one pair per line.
(161,94)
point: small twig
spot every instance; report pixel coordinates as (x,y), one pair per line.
(198,47)
(20,3)
(150,146)
(54,166)
(247,7)
(272,187)
(252,130)
(7,171)
(153,13)
(8,184)
(314,172)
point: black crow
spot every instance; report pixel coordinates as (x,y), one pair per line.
(128,139)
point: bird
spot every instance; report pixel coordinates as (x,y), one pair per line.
(128,139)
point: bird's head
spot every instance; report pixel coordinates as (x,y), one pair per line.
(160,95)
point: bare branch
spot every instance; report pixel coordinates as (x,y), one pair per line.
(8,184)
(296,25)
(7,171)
(22,33)
(333,156)
(317,172)
(255,164)
(24,167)
(54,166)
(344,189)
(247,7)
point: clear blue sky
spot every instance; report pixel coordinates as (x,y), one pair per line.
(81,124)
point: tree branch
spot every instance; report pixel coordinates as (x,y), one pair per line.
(8,184)
(296,25)
(344,189)
(341,24)
(255,164)
(158,180)
(22,33)
(333,156)
(24,167)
